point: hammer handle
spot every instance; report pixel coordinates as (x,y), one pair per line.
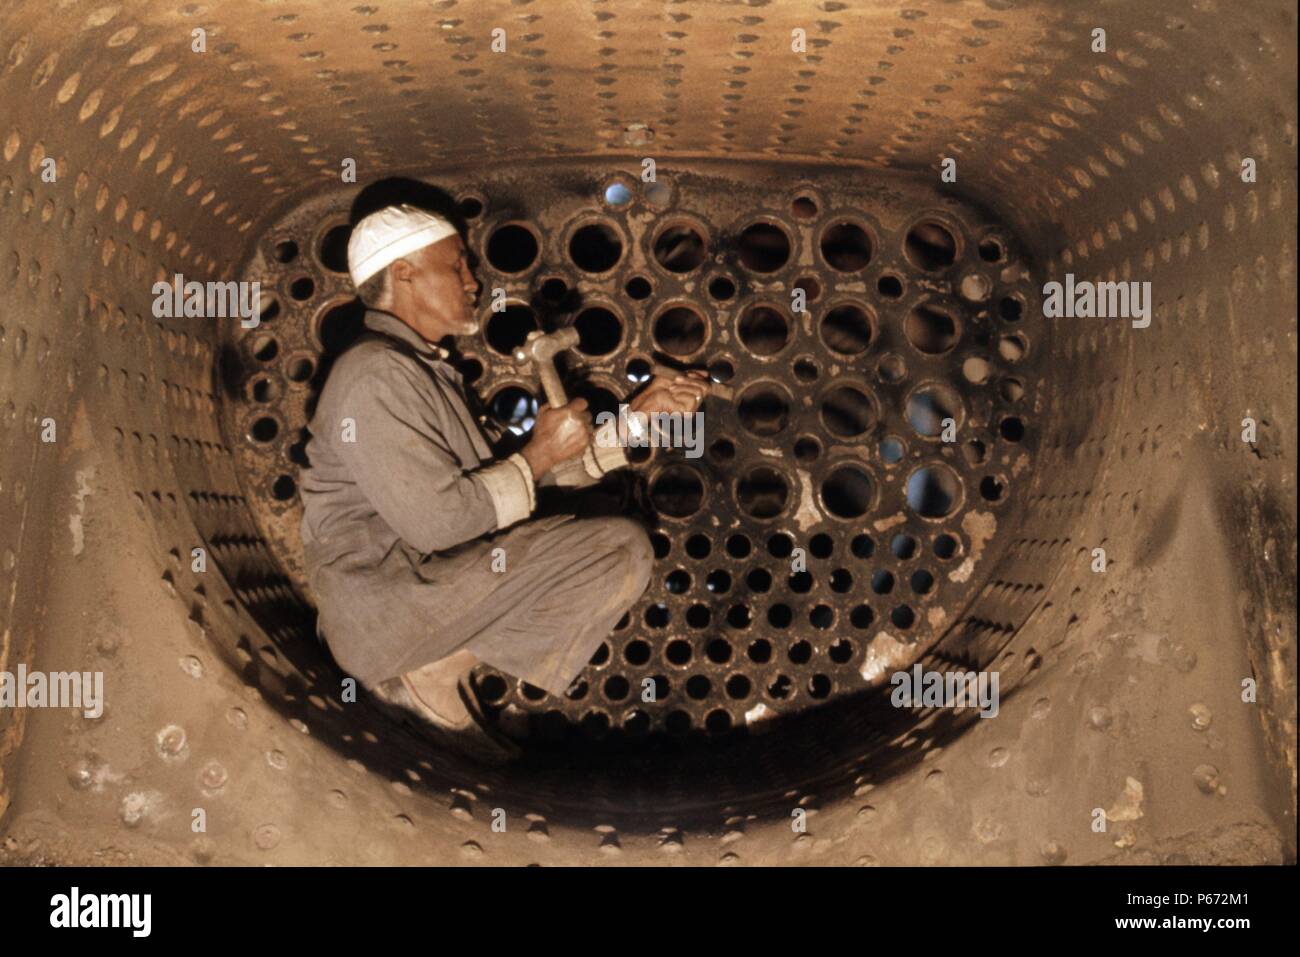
(551,384)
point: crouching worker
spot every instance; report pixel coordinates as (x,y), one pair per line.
(418,542)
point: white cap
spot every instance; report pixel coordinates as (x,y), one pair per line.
(386,236)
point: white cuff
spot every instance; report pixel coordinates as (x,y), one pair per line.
(510,485)
(605,453)
(571,473)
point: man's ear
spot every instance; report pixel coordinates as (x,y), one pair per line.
(401,271)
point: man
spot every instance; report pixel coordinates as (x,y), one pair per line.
(418,545)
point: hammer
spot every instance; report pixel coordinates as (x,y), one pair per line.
(542,348)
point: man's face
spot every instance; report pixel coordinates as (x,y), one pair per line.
(435,291)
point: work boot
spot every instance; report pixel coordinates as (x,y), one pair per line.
(449,709)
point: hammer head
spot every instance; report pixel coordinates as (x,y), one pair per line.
(543,346)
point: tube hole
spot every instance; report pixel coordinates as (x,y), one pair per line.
(992,488)
(847,492)
(805,369)
(677,491)
(1013,390)
(890,286)
(780,545)
(764,248)
(903,546)
(931,329)
(847,329)
(515,408)
(891,450)
(930,246)
(933,491)
(698,546)
(638,288)
(763,330)
(636,652)
(763,410)
(341,326)
(976,369)
(945,546)
(903,617)
(617,194)
(596,248)
(264,429)
(807,449)
(1012,348)
(738,687)
(679,331)
(263,389)
(679,248)
(846,247)
(810,287)
(599,331)
(803,207)
(554,290)
(975,287)
(847,411)
(334,248)
(723,450)
(285,251)
(299,369)
(265,348)
(929,405)
(722,288)
(721,370)
(511,248)
(508,330)
(284,488)
(861,616)
(762,493)
(739,546)
(718,650)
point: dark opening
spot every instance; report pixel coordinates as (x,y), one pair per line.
(679,248)
(596,247)
(511,248)
(846,247)
(764,248)
(930,246)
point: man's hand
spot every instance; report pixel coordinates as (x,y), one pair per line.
(559,434)
(681,392)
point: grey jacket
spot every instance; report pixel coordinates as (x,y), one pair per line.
(401,478)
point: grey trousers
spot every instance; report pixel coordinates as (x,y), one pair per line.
(566,582)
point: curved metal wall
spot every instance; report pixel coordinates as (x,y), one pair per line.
(1116,165)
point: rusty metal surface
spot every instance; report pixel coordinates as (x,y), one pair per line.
(1116,165)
